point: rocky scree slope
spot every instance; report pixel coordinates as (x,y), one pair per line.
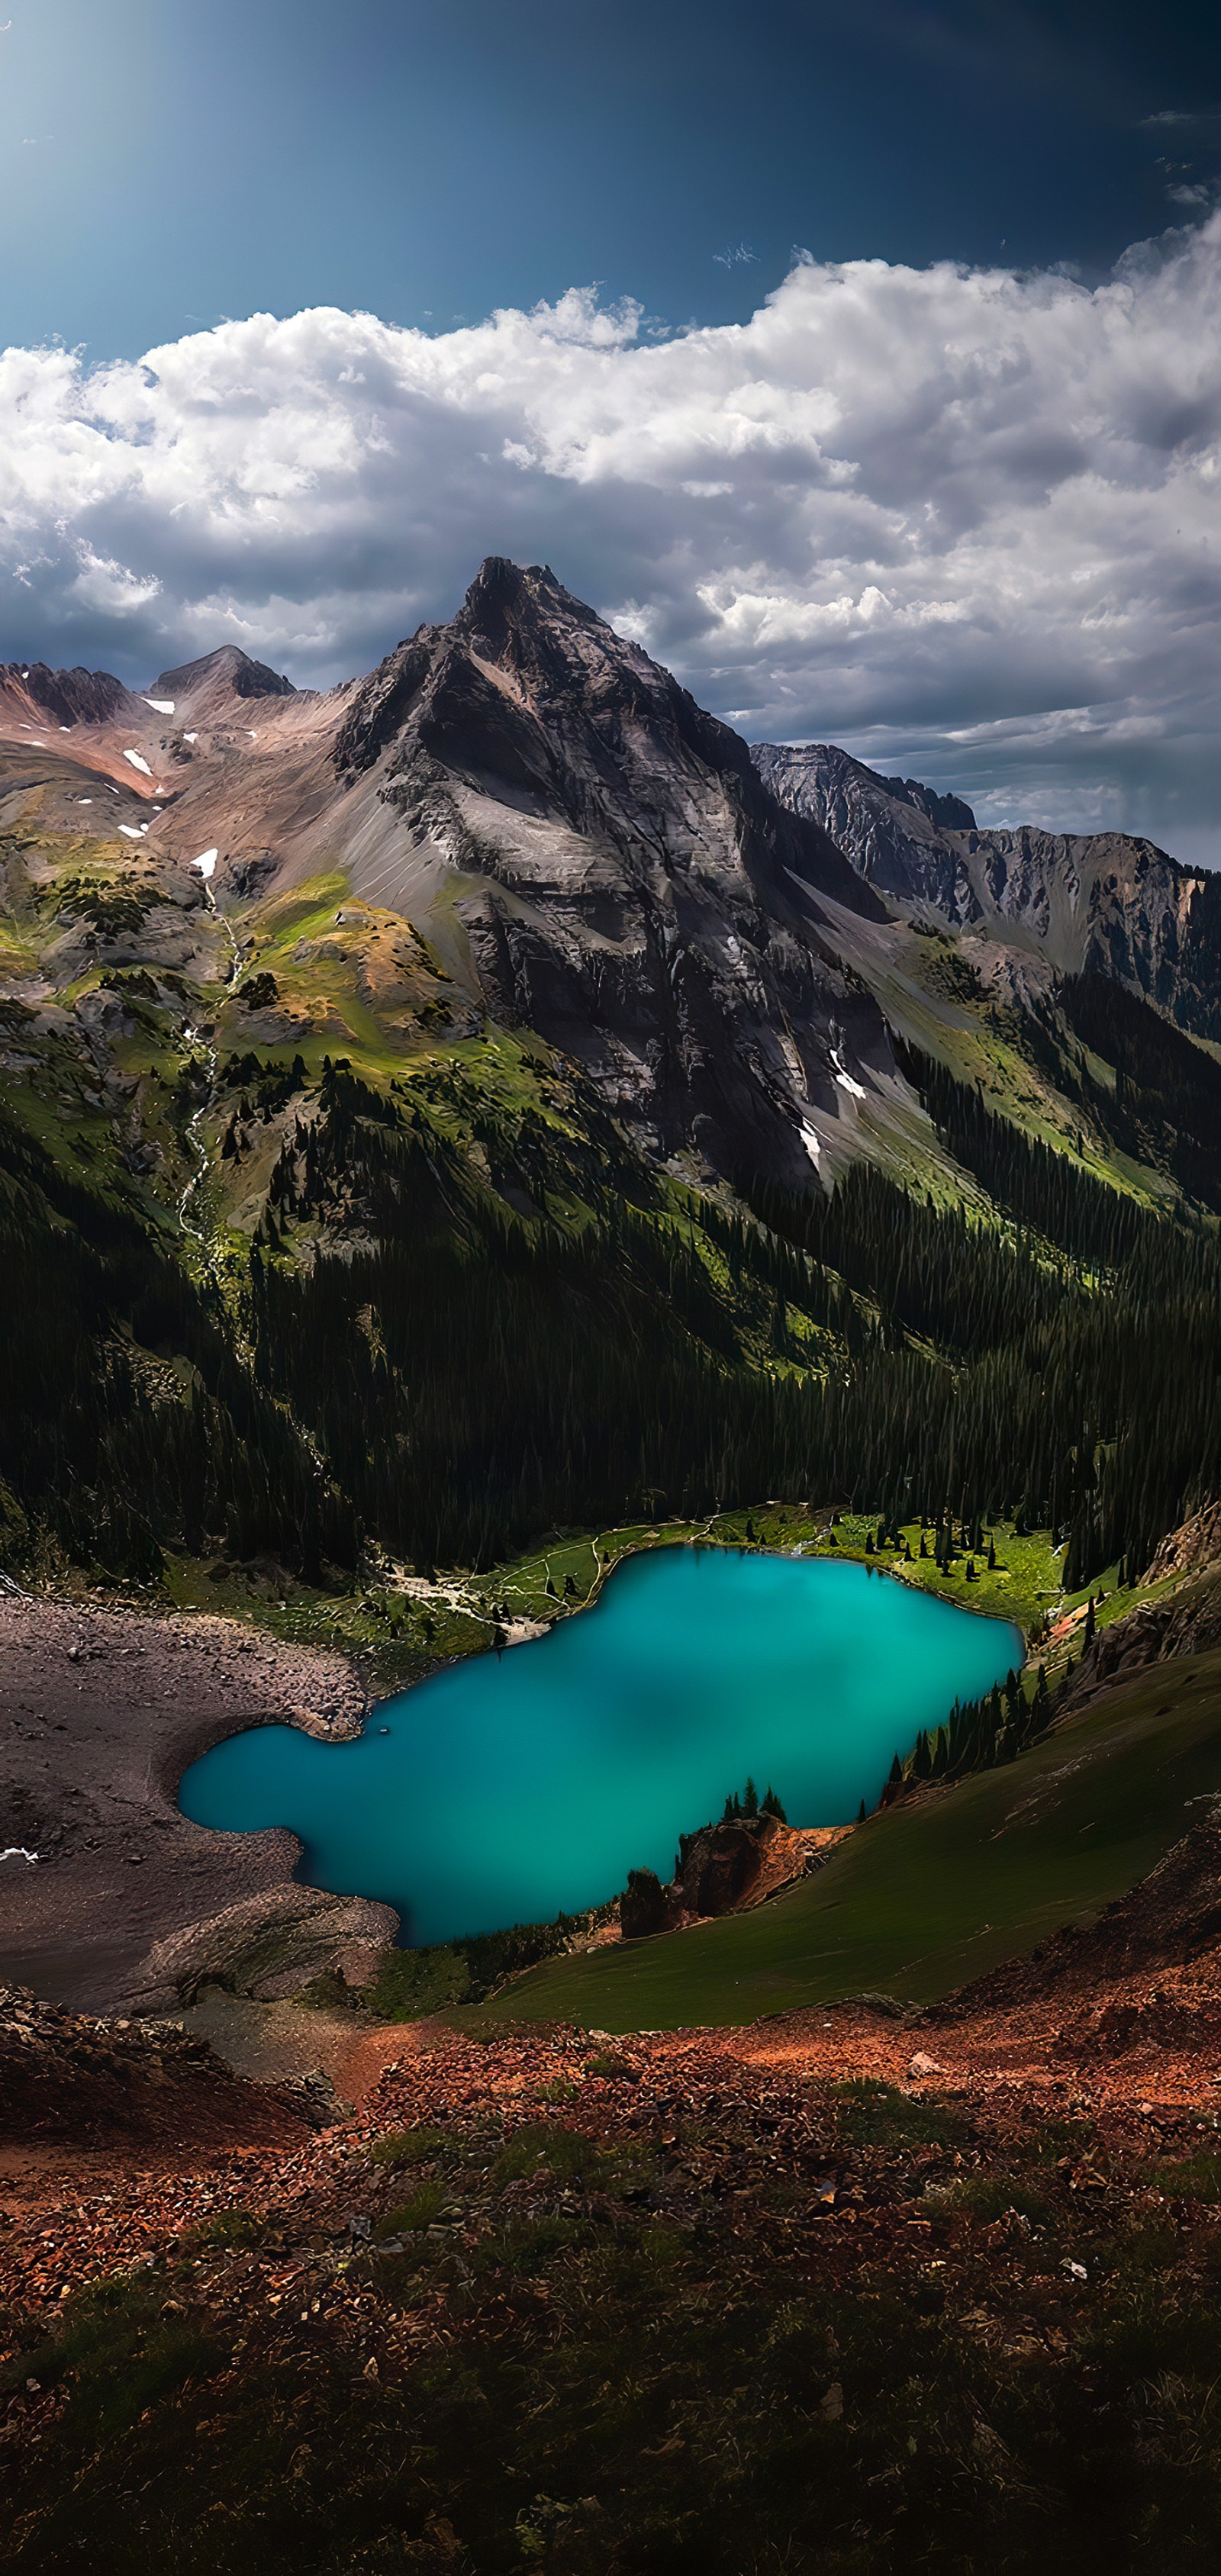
(98,2083)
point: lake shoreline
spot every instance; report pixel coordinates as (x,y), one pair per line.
(102,1710)
(705,1663)
(123,1871)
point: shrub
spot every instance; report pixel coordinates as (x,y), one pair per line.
(406,2146)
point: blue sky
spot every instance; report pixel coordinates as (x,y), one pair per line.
(431,159)
(863,360)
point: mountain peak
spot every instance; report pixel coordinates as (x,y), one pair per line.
(227,672)
(505,594)
(67,697)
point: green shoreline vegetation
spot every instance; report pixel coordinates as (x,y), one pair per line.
(401,1635)
(933,1892)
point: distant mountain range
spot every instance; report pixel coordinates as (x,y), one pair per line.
(1048,903)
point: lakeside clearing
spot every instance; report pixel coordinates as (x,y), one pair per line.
(401,1627)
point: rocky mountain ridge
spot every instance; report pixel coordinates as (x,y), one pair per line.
(1047,903)
(625,884)
(721,940)
(499,982)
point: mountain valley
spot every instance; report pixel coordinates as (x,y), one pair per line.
(500,983)
(457,1131)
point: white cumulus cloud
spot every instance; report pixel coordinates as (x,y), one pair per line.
(966,521)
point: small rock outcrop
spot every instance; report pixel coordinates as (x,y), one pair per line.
(1197,1543)
(724,1869)
(1187,1622)
(722,1864)
(644,1907)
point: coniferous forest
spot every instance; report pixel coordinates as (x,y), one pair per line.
(412,1357)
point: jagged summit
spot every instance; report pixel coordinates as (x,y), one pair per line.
(225,673)
(629,886)
(67,698)
(1037,904)
(503,590)
(949,812)
(530,696)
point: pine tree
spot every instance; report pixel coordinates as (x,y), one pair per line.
(750,1801)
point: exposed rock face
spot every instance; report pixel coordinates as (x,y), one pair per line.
(628,886)
(68,697)
(1103,901)
(269,1947)
(1189,1623)
(903,837)
(645,1906)
(735,1864)
(722,1865)
(723,1869)
(1198,1542)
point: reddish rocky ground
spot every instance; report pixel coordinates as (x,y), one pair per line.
(842,2292)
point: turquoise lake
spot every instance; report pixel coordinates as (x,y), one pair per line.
(516,1785)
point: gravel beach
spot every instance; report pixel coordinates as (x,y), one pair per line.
(101,1711)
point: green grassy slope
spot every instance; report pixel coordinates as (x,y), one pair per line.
(926,1896)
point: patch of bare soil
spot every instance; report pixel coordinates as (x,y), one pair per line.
(101,1711)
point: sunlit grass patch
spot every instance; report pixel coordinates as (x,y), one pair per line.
(227,2227)
(611,2067)
(987,2197)
(1197,2177)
